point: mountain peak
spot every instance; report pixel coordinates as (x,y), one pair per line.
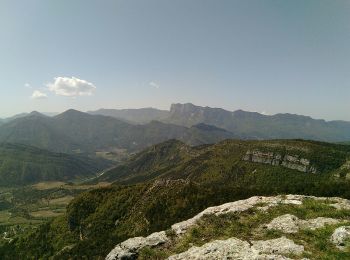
(70,113)
(183,108)
(35,113)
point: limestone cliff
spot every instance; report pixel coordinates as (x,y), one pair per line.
(294,162)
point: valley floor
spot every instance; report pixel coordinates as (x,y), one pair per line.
(25,208)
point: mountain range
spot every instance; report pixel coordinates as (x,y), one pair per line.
(135,129)
(136,116)
(74,131)
(248,125)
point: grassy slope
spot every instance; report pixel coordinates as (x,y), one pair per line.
(188,180)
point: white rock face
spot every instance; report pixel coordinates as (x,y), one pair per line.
(340,235)
(219,249)
(234,248)
(129,248)
(342,204)
(285,223)
(279,246)
(316,223)
(291,224)
(289,161)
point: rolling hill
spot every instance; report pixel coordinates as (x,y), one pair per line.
(172,181)
(21,165)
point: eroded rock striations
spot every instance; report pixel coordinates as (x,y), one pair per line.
(289,161)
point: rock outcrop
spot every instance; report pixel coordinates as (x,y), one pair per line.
(289,161)
(129,248)
(234,248)
(237,206)
(340,236)
(241,248)
(291,224)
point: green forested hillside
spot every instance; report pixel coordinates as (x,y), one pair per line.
(174,159)
(22,164)
(173,182)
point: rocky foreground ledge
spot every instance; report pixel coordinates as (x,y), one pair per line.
(279,227)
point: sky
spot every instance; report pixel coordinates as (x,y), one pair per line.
(269,56)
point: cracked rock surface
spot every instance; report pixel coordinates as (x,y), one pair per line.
(244,248)
(234,248)
(291,224)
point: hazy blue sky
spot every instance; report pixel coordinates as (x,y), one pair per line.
(266,55)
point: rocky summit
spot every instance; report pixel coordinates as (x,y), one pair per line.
(278,227)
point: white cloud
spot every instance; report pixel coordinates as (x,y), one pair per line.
(38,95)
(71,87)
(154,84)
(27,85)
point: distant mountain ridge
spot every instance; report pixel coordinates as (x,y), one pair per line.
(78,131)
(138,116)
(135,129)
(8,119)
(258,126)
(247,125)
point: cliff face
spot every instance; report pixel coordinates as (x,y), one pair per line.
(189,115)
(280,227)
(294,162)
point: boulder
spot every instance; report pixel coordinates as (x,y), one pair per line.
(291,224)
(316,223)
(286,223)
(279,246)
(130,248)
(340,236)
